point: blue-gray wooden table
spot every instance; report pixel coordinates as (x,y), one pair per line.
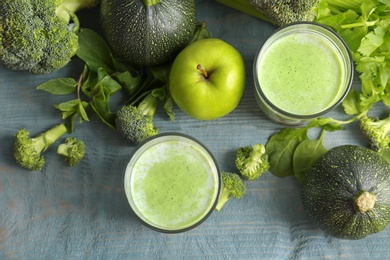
(82,212)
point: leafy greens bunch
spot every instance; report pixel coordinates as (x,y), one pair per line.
(365,27)
(105,75)
(366,30)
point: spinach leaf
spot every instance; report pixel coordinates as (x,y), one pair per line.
(305,154)
(280,149)
(95,52)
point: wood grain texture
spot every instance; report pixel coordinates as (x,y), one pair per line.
(82,212)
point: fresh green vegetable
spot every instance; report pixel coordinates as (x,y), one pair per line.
(232,186)
(347,192)
(28,151)
(135,123)
(252,161)
(148,32)
(377,132)
(366,32)
(364,26)
(305,154)
(72,150)
(245,7)
(286,11)
(39,36)
(280,149)
(282,146)
(104,76)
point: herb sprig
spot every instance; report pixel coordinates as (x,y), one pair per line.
(103,76)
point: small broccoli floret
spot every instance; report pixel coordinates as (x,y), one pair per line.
(286,11)
(252,161)
(72,150)
(232,186)
(135,123)
(39,35)
(377,132)
(28,151)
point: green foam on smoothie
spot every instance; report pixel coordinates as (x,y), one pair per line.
(302,74)
(173,185)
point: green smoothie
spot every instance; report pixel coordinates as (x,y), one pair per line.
(173,185)
(302,74)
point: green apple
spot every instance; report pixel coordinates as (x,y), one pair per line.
(207,79)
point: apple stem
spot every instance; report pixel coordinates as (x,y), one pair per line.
(201,69)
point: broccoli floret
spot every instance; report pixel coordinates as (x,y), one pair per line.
(282,12)
(377,132)
(252,161)
(232,186)
(72,150)
(39,36)
(28,151)
(135,123)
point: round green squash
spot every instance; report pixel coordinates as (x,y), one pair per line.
(347,192)
(148,32)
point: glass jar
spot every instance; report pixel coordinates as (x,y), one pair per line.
(303,71)
(172,182)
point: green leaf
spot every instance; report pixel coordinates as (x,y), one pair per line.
(82,111)
(280,149)
(59,86)
(386,100)
(68,106)
(161,72)
(386,2)
(326,123)
(305,154)
(129,82)
(351,103)
(73,108)
(111,85)
(385,153)
(105,87)
(168,107)
(102,110)
(372,41)
(90,80)
(95,52)
(369,66)
(200,33)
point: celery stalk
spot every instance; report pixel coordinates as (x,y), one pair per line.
(243,6)
(343,5)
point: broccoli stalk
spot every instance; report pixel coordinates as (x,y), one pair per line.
(72,150)
(66,9)
(377,132)
(135,123)
(37,36)
(252,161)
(28,151)
(232,186)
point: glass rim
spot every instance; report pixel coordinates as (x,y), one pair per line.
(127,181)
(348,62)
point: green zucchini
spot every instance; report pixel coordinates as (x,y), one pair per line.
(148,32)
(347,192)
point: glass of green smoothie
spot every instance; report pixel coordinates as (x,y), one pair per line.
(303,71)
(172,182)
